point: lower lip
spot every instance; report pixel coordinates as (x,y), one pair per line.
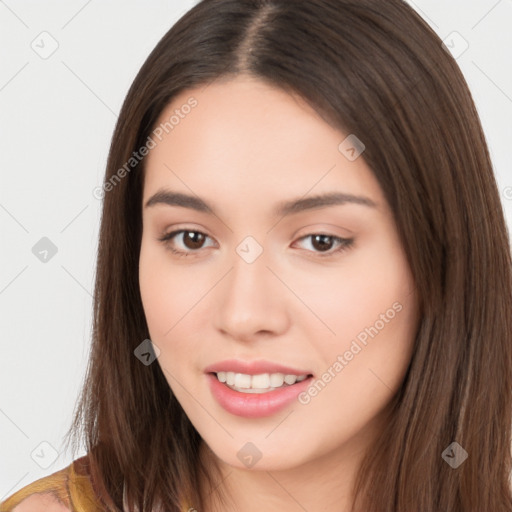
(255,405)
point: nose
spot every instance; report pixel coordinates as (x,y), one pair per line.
(251,301)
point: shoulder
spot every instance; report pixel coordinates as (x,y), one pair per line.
(68,489)
(47,493)
(41,502)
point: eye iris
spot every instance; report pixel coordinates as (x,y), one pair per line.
(323,245)
(197,239)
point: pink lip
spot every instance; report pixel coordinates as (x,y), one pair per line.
(253,368)
(252,405)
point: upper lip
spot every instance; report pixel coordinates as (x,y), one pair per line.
(253,367)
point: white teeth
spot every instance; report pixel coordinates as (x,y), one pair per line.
(261,381)
(258,383)
(276,380)
(290,379)
(242,381)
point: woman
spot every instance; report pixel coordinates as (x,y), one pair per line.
(304,281)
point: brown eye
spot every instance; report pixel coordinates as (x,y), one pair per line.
(193,239)
(322,244)
(190,241)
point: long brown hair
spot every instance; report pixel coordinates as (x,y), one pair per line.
(375,69)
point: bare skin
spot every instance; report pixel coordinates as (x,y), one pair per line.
(244,148)
(40,502)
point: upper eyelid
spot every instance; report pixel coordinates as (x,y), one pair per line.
(175,232)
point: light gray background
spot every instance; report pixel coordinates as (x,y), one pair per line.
(57,115)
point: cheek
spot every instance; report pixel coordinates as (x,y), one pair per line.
(351,297)
(171,297)
(372,309)
(153,282)
(369,305)
(167,290)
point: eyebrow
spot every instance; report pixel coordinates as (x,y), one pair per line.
(170,198)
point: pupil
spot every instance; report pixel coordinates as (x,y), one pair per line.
(191,235)
(323,244)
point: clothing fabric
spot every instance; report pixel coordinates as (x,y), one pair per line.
(72,486)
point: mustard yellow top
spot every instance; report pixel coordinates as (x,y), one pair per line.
(71,485)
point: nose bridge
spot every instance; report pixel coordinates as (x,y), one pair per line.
(248,279)
(250,298)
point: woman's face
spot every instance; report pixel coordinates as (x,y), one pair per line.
(321,289)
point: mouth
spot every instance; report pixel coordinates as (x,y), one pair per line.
(260,383)
(256,396)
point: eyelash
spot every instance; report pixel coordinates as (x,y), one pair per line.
(345,243)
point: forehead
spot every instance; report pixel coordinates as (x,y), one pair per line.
(245,135)
(245,114)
